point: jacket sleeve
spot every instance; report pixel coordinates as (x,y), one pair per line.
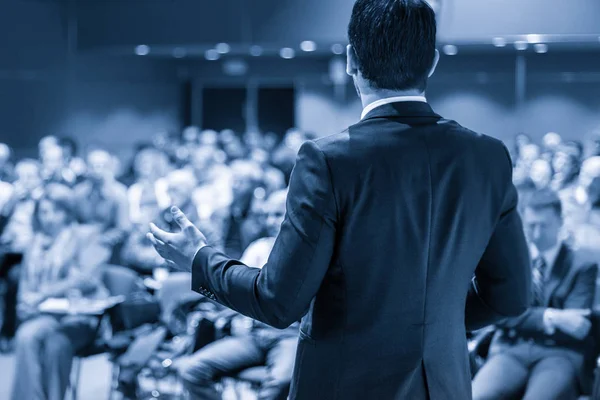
(501,286)
(280,293)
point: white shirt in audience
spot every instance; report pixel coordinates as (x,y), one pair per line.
(257,253)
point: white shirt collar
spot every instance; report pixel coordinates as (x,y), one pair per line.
(549,255)
(397,99)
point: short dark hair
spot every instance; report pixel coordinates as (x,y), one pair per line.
(394,42)
(543,199)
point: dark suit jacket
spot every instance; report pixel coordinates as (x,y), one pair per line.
(572,284)
(386,225)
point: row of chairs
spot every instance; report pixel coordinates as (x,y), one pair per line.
(121,326)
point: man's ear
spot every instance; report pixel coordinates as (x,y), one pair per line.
(351,61)
(436,59)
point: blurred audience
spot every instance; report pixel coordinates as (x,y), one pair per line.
(60,260)
(252,343)
(61,216)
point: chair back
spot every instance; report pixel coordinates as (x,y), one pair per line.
(139,307)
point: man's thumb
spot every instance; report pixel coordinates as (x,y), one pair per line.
(180,218)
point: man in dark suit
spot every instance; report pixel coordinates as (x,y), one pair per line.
(546,352)
(386,225)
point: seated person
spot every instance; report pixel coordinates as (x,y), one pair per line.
(102,201)
(544,352)
(61,259)
(15,236)
(258,251)
(256,345)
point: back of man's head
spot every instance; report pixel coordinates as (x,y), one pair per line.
(394,42)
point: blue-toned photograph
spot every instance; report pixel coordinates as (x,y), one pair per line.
(299,200)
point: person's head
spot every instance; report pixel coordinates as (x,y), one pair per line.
(542,219)
(529,153)
(190,135)
(5,154)
(246,177)
(69,147)
(54,210)
(100,166)
(274,209)
(234,148)
(541,173)
(521,139)
(274,179)
(551,141)
(180,184)
(392,46)
(590,169)
(202,160)
(53,159)
(253,139)
(45,143)
(565,161)
(150,164)
(28,175)
(208,137)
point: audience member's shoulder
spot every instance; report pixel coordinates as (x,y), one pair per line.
(585,257)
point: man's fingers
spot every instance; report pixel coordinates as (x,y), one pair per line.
(584,313)
(159,234)
(159,246)
(179,217)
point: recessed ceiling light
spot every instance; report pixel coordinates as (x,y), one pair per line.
(521,45)
(540,48)
(308,46)
(287,53)
(337,49)
(256,51)
(179,52)
(142,50)
(212,55)
(222,48)
(499,42)
(534,38)
(450,50)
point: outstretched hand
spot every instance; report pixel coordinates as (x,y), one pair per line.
(178,249)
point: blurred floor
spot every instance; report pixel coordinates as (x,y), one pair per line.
(93,383)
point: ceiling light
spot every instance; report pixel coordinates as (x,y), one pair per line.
(179,52)
(540,48)
(534,38)
(337,49)
(308,46)
(256,51)
(287,53)
(212,55)
(521,45)
(142,50)
(450,50)
(499,42)
(222,48)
